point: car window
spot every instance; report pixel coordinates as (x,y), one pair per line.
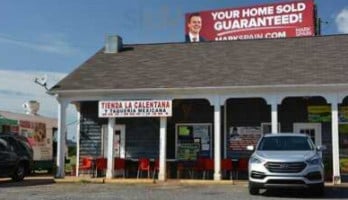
(12,144)
(285,143)
(3,145)
(24,146)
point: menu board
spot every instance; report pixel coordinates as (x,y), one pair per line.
(188,151)
(193,140)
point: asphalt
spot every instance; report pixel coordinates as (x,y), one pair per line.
(86,179)
(46,188)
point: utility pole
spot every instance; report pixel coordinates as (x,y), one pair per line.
(318,26)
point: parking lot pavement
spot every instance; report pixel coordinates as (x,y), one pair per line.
(45,188)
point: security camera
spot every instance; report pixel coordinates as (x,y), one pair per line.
(41,81)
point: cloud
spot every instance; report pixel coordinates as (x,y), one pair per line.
(342,21)
(51,43)
(18,87)
(21,83)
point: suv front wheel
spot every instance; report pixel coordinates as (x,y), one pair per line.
(19,173)
(253,190)
(318,189)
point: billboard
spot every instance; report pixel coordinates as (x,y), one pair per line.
(276,20)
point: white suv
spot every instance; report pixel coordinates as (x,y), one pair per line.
(288,160)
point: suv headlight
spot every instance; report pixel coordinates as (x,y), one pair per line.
(314,161)
(255,160)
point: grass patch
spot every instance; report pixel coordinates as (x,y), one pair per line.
(84,181)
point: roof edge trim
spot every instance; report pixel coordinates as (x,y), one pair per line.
(198,88)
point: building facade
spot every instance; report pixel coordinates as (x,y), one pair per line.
(224,95)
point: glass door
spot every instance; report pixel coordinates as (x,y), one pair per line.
(311,129)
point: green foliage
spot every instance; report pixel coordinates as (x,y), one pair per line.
(72,151)
(344,165)
(69,166)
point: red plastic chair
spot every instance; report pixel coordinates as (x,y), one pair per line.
(179,169)
(242,165)
(100,165)
(86,165)
(208,167)
(143,165)
(199,166)
(120,164)
(155,168)
(227,166)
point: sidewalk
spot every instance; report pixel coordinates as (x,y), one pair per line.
(73,179)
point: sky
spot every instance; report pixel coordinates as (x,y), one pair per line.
(54,37)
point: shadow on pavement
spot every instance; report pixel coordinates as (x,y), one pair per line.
(331,192)
(26,182)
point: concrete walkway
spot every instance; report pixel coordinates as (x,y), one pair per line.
(72,179)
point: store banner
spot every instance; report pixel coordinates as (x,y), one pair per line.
(319,113)
(276,20)
(135,108)
(323,113)
(241,137)
(343,114)
(343,146)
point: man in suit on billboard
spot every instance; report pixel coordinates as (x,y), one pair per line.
(194,25)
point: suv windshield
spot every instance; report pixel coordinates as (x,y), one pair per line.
(286,143)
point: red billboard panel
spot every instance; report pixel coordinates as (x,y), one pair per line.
(277,20)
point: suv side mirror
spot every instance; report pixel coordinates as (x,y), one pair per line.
(321,148)
(250,148)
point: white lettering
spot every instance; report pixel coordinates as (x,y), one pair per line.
(240,37)
(276,35)
(305,31)
(261,11)
(222,15)
(287,8)
(266,21)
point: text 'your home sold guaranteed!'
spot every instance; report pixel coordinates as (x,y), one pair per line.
(140,108)
(276,20)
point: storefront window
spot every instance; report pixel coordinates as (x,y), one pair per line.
(343,138)
(193,140)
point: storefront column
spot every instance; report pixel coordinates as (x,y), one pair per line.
(274,101)
(61,144)
(274,118)
(225,129)
(110,153)
(162,150)
(335,143)
(78,141)
(217,139)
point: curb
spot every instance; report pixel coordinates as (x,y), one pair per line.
(147,181)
